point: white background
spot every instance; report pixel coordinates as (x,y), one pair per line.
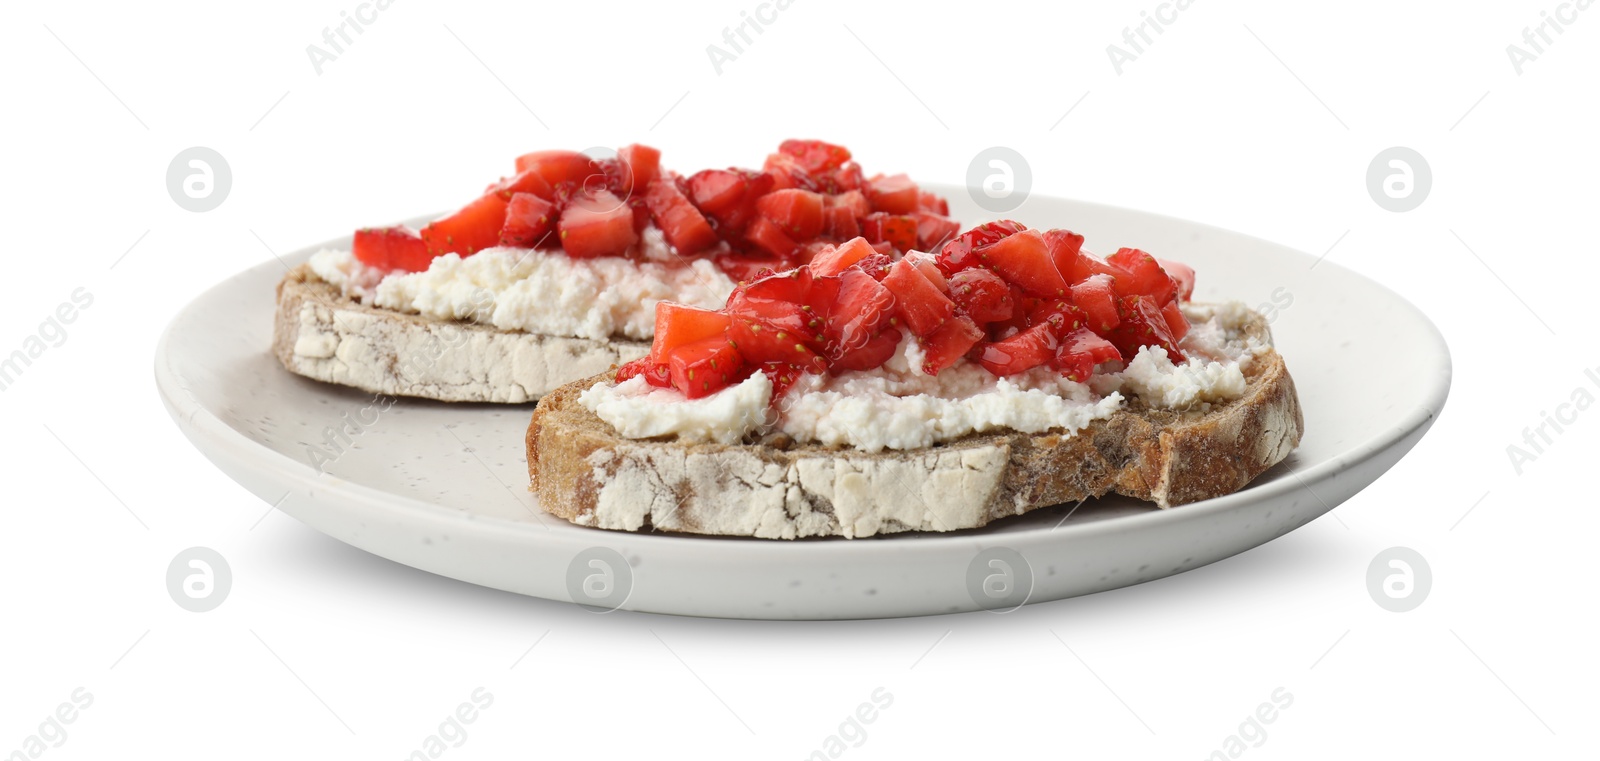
(1254,116)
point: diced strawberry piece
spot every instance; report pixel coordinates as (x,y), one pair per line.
(1146,278)
(894,194)
(876,352)
(858,311)
(704,367)
(743,267)
(556,167)
(643,164)
(769,237)
(1026,349)
(1060,316)
(1177,324)
(758,341)
(526,182)
(1024,259)
(787,173)
(934,230)
(1080,351)
(877,263)
(474,228)
(842,257)
(949,343)
(1088,264)
(783,376)
(925,264)
(1182,276)
(680,324)
(815,156)
(655,373)
(983,296)
(845,178)
(596,223)
(681,223)
(1143,324)
(841,222)
(855,201)
(392,248)
(1096,297)
(917,301)
(896,230)
(959,254)
(728,196)
(792,286)
(1065,248)
(798,212)
(932,203)
(1022,305)
(529,219)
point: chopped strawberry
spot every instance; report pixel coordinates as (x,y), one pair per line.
(1088,264)
(392,248)
(840,222)
(556,167)
(1177,324)
(845,178)
(529,219)
(894,194)
(1146,278)
(728,196)
(681,223)
(841,257)
(680,324)
(1065,248)
(1096,297)
(1182,276)
(877,263)
(744,268)
(1024,259)
(949,343)
(769,237)
(983,296)
(917,301)
(815,156)
(704,367)
(643,164)
(934,230)
(526,182)
(787,173)
(1022,351)
(1143,324)
(655,373)
(929,202)
(896,230)
(855,201)
(958,254)
(1080,351)
(797,212)
(783,376)
(930,269)
(856,312)
(596,223)
(874,353)
(758,341)
(474,228)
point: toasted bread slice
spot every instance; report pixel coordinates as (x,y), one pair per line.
(583,471)
(320,333)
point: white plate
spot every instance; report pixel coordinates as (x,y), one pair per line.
(443,487)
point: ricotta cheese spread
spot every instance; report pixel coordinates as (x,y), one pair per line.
(536,290)
(898,407)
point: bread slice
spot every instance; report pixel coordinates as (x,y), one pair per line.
(320,333)
(583,471)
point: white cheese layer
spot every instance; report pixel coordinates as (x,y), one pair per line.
(538,291)
(898,407)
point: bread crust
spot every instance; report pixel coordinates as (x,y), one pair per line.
(320,333)
(583,471)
